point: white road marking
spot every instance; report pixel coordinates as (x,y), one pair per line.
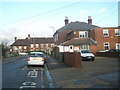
(21,87)
(33,73)
(29,83)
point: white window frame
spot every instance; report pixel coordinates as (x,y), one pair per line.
(52,45)
(118,46)
(25,47)
(20,47)
(83,34)
(46,45)
(106,46)
(37,45)
(117,32)
(106,33)
(85,46)
(32,45)
(42,45)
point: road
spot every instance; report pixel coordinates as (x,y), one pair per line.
(16,74)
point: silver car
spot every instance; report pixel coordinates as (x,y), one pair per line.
(36,58)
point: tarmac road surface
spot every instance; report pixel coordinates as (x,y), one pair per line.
(16,74)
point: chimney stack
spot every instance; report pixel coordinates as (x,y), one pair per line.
(28,36)
(89,20)
(66,20)
(15,38)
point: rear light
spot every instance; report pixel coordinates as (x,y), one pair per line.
(43,59)
(28,58)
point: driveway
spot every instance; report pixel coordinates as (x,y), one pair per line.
(101,73)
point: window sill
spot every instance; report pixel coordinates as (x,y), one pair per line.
(105,36)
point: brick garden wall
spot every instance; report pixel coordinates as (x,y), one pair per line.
(72,59)
(108,54)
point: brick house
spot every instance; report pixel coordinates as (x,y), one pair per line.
(32,44)
(80,35)
(107,38)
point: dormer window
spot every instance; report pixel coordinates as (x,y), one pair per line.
(83,34)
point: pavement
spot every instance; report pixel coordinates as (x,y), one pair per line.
(101,73)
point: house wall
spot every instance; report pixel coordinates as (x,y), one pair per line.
(97,35)
(62,37)
(73,34)
(50,45)
(93,48)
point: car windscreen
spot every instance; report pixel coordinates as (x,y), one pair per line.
(85,51)
(36,55)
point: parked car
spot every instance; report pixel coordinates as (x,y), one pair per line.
(36,58)
(86,55)
(23,54)
(114,50)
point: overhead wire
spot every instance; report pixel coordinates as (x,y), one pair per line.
(44,13)
(104,18)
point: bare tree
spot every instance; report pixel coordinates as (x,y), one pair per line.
(4,47)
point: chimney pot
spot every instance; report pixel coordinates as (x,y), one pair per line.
(28,36)
(15,38)
(89,20)
(66,20)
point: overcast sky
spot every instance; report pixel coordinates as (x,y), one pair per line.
(43,18)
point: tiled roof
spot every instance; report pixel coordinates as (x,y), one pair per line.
(21,42)
(78,26)
(109,27)
(27,42)
(42,40)
(79,41)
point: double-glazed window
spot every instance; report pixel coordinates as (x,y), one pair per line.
(105,33)
(52,45)
(106,46)
(46,45)
(84,46)
(37,45)
(20,47)
(32,45)
(83,34)
(117,32)
(25,47)
(118,46)
(42,45)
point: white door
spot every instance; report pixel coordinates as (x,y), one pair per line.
(71,48)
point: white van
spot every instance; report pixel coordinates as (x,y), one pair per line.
(86,55)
